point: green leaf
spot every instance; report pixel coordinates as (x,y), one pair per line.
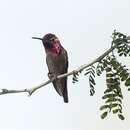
(109,85)
(104,115)
(120,95)
(127,51)
(75,79)
(124,77)
(121,116)
(88,69)
(107,91)
(115,64)
(91,79)
(93,74)
(123,72)
(115,111)
(111,100)
(119,50)
(127,83)
(91,86)
(117,79)
(120,106)
(120,35)
(110,80)
(93,70)
(99,72)
(108,69)
(119,100)
(104,107)
(109,96)
(109,75)
(102,68)
(113,105)
(92,66)
(121,54)
(128,38)
(92,92)
(87,73)
(125,54)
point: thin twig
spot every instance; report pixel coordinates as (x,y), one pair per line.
(81,68)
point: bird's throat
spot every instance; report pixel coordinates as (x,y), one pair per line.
(56,48)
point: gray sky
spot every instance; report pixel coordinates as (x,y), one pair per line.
(84,28)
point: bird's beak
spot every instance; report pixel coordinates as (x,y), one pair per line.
(37,38)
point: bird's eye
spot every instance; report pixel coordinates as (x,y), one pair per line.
(52,39)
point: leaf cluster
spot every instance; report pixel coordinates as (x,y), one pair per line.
(121,71)
(112,95)
(122,41)
(102,64)
(91,73)
(75,77)
(116,73)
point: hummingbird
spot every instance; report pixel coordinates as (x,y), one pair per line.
(57,62)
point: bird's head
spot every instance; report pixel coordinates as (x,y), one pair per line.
(51,43)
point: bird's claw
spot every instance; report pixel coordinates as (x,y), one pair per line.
(52,76)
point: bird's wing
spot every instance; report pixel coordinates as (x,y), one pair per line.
(64,53)
(64,82)
(58,65)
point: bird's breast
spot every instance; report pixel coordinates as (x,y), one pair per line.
(55,62)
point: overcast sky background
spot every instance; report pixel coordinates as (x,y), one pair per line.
(84,28)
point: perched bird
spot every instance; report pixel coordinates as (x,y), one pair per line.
(57,62)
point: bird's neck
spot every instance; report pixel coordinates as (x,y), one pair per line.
(55,49)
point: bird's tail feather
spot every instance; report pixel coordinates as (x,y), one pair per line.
(61,88)
(65,98)
(65,92)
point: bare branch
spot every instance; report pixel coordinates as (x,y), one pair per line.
(81,68)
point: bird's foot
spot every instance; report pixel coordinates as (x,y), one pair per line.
(52,76)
